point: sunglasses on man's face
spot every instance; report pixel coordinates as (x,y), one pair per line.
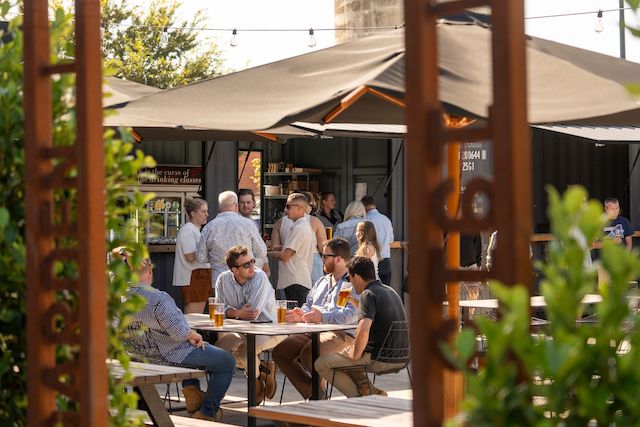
(247,264)
(292,206)
(324,256)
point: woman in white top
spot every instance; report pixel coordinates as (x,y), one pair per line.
(193,278)
(368,243)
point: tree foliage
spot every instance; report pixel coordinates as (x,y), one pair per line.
(132,48)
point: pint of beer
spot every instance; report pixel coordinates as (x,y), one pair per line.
(218,315)
(282,311)
(343,296)
(211,301)
(329,232)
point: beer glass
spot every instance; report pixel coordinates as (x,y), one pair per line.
(218,316)
(282,311)
(343,296)
(329,232)
(211,301)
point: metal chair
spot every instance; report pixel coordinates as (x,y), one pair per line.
(394,356)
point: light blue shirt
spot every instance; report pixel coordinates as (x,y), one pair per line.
(347,230)
(257,291)
(384,231)
(323,296)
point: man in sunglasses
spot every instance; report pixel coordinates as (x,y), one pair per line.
(293,355)
(247,294)
(296,258)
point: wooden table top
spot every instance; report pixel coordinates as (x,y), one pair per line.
(372,411)
(536,301)
(147,373)
(202,322)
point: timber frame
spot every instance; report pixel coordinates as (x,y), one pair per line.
(509,202)
(50,170)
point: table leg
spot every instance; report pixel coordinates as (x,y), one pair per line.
(315,378)
(153,405)
(251,378)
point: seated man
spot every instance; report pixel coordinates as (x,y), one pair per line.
(293,355)
(380,306)
(161,335)
(247,294)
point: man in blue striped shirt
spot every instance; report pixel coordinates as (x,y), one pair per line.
(247,294)
(160,334)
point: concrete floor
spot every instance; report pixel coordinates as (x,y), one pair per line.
(235,403)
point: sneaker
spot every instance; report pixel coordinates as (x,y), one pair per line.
(367,390)
(268,375)
(200,416)
(194,397)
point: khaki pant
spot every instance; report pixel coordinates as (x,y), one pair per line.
(236,344)
(347,383)
(293,356)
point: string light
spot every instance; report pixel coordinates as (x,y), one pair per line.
(234,38)
(312,38)
(599,22)
(164,38)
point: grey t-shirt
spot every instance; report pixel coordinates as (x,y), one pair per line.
(383,306)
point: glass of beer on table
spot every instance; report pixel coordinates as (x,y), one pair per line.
(211,301)
(343,295)
(218,315)
(282,311)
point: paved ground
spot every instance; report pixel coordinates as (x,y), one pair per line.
(235,404)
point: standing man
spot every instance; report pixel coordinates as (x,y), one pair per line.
(380,306)
(293,355)
(161,334)
(246,204)
(247,294)
(228,229)
(619,228)
(295,260)
(384,232)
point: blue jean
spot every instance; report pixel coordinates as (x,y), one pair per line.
(220,366)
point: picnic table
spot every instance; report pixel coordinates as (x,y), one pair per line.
(145,378)
(372,411)
(202,322)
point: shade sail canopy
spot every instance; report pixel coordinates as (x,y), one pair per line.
(363,81)
(605,134)
(117,91)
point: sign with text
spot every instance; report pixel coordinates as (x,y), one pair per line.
(171,175)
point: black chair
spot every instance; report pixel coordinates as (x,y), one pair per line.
(394,355)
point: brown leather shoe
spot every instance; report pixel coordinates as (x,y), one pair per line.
(367,390)
(268,375)
(200,416)
(193,397)
(259,390)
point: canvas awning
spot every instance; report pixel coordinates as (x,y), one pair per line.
(604,134)
(363,82)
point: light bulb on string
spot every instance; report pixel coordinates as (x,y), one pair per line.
(599,22)
(312,38)
(234,38)
(164,38)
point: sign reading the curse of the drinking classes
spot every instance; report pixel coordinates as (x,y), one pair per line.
(171,175)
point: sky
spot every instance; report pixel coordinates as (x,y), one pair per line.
(256,48)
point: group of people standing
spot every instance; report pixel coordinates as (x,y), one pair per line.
(230,254)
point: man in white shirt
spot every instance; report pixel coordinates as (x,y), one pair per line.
(384,233)
(295,260)
(247,294)
(228,229)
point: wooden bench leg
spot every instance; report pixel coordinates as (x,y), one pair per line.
(153,405)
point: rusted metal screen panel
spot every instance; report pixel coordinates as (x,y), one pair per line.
(509,202)
(65,225)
